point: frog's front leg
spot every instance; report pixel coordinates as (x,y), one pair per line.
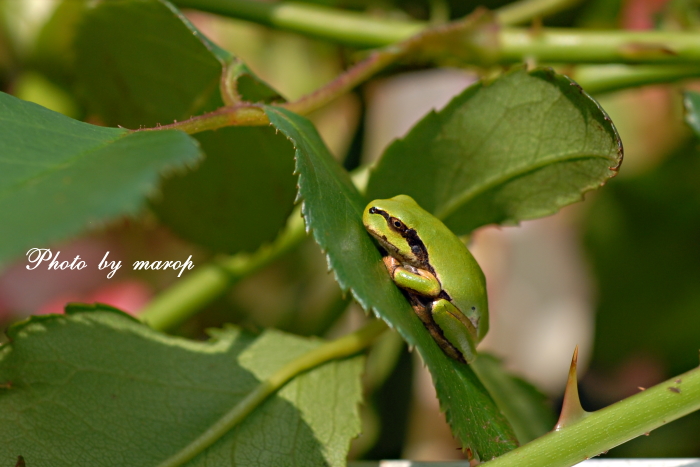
(413,280)
(456,328)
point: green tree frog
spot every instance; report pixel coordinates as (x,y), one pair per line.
(436,271)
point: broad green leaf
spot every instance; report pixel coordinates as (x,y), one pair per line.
(691,101)
(140,63)
(517,148)
(245,184)
(97,388)
(58,175)
(524,406)
(332,208)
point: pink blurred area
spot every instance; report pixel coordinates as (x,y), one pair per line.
(640,14)
(42,291)
(129,296)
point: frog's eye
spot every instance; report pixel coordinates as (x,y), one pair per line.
(397,225)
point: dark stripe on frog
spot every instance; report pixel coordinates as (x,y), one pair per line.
(422,307)
(414,242)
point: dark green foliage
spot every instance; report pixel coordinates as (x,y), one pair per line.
(95,387)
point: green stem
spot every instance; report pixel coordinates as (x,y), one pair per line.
(334,24)
(345,82)
(554,45)
(185,299)
(352,28)
(467,40)
(598,79)
(251,115)
(515,44)
(340,348)
(609,427)
(246,114)
(464,36)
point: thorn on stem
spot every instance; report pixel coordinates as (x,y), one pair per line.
(571,410)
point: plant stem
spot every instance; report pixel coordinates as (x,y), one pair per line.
(471,41)
(352,28)
(340,348)
(185,299)
(598,79)
(243,114)
(515,44)
(334,24)
(609,427)
(246,114)
(554,45)
(465,36)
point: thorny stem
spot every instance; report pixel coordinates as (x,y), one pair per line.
(402,40)
(606,428)
(247,114)
(473,41)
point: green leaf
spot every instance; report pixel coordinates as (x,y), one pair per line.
(517,148)
(58,175)
(241,194)
(333,210)
(100,389)
(524,406)
(691,101)
(140,62)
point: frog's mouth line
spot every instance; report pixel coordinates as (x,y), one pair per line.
(389,248)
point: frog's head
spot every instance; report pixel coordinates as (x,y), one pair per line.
(393,223)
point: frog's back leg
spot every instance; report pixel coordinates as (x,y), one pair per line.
(449,319)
